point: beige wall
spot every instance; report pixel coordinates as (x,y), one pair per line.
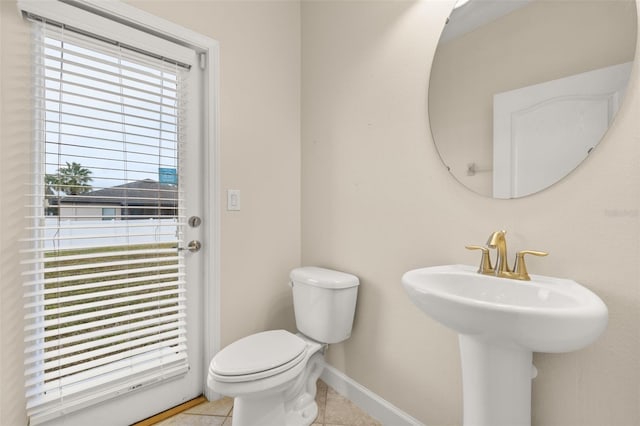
(378,202)
(570,37)
(260,152)
(375,202)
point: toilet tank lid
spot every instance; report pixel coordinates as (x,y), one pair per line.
(321,277)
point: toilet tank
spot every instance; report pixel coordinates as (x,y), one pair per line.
(324,302)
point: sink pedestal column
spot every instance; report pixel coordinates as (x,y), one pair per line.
(496,383)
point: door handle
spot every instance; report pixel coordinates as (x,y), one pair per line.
(194,246)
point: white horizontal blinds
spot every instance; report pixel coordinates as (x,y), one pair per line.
(104,279)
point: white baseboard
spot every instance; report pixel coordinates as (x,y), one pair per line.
(374,405)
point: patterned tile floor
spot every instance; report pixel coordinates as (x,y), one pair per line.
(333,410)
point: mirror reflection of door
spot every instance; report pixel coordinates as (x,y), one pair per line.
(486,49)
(543,132)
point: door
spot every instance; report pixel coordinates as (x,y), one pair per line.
(542,132)
(114,295)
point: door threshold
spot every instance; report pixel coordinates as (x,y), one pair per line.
(171,412)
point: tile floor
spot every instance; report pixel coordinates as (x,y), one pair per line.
(333,410)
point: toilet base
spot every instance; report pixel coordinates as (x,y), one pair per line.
(270,412)
(292,405)
(266,411)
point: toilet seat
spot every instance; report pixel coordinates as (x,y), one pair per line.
(258,356)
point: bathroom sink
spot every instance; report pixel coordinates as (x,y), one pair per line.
(542,315)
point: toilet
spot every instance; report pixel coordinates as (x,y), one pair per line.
(272,374)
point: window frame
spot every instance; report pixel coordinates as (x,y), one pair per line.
(103,14)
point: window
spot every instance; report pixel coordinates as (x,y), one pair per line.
(105,300)
(108,213)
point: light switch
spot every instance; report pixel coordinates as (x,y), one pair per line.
(233,199)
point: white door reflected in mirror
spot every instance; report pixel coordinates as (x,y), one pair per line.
(490,47)
(542,132)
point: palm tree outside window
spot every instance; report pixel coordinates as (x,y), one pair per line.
(72,179)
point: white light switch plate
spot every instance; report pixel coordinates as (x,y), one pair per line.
(233,199)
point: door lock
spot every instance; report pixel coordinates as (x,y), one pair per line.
(194,221)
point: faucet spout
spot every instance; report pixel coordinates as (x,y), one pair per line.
(498,241)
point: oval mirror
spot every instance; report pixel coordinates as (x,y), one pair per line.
(521,91)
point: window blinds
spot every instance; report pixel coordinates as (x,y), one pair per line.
(104,278)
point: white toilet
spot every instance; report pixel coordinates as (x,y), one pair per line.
(272,375)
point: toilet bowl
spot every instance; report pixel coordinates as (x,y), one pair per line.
(272,375)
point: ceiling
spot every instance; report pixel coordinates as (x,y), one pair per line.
(476,13)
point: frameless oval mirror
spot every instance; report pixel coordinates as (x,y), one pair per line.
(521,91)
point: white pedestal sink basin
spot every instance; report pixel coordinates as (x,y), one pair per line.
(500,322)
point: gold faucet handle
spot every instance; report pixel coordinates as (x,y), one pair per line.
(485,261)
(520,268)
(533,252)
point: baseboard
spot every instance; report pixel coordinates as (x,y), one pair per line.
(374,405)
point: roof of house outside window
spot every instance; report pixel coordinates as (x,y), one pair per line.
(145,192)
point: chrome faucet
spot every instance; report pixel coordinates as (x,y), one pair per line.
(498,242)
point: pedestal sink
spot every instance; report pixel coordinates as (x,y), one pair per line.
(501,322)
